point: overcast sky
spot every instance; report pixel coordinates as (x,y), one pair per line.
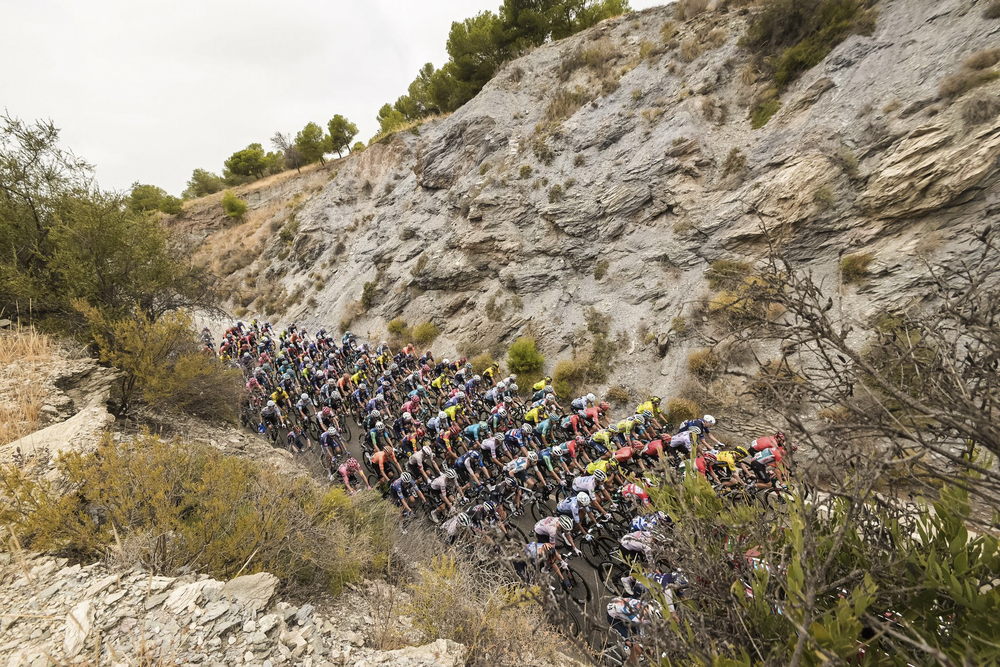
(147,90)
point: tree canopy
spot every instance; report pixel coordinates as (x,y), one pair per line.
(312,143)
(342,132)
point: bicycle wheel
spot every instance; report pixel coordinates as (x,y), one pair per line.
(611,574)
(595,551)
(345,428)
(578,589)
(535,509)
(515,534)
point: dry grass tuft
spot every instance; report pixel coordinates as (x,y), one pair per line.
(25,344)
(22,395)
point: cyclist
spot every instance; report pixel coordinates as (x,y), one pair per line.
(419,460)
(271,414)
(456,526)
(573,507)
(386,456)
(329,441)
(351,468)
(467,464)
(297,440)
(403,488)
(519,469)
(439,491)
(703,426)
(627,616)
(592,485)
(550,528)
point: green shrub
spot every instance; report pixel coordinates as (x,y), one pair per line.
(680,409)
(704,363)
(601,268)
(525,171)
(727,274)
(854,268)
(763,112)
(289,231)
(555,194)
(171,205)
(523,358)
(481,362)
(679,325)
(233,205)
(618,395)
(569,376)
(396,327)
(542,151)
(184,505)
(368,294)
(735,162)
(425,333)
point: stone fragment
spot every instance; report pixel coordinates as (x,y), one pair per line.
(252,591)
(78,624)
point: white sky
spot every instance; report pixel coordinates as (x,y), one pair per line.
(147,90)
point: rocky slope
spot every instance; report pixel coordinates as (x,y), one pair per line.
(612,146)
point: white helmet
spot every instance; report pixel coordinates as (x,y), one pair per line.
(583,499)
(502,413)
(407,417)
(459,395)
(442,415)
(513,388)
(709,419)
(526,428)
(445,362)
(426,449)
(305,395)
(591,398)
(565,522)
(533,456)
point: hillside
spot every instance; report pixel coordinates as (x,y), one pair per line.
(608,170)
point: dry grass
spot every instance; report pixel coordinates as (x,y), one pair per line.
(980,108)
(686,9)
(976,71)
(690,49)
(22,395)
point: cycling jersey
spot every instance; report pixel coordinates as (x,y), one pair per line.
(469,461)
(475,432)
(454,411)
(683,440)
(601,465)
(534,416)
(520,464)
(587,483)
(768,456)
(638,541)
(765,442)
(635,491)
(646,522)
(569,506)
(549,526)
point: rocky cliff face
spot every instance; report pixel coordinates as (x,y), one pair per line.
(610,168)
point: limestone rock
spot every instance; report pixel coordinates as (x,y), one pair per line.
(77,628)
(253,591)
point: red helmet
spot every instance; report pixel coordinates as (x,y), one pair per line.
(420,432)
(604,407)
(425,368)
(779,436)
(327,411)
(580,440)
(416,399)
(455,430)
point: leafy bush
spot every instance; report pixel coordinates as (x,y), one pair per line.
(171,205)
(763,112)
(555,194)
(680,409)
(980,108)
(525,171)
(601,268)
(162,360)
(704,363)
(854,268)
(564,103)
(523,357)
(233,205)
(396,327)
(735,162)
(201,183)
(569,377)
(425,333)
(481,362)
(618,395)
(727,273)
(176,505)
(497,622)
(368,293)
(795,35)
(289,231)
(679,325)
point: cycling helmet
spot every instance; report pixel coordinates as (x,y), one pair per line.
(695,430)
(327,411)
(580,440)
(425,368)
(387,449)
(379,398)
(710,457)
(604,407)
(455,429)
(445,362)
(549,389)
(407,417)
(502,413)
(590,398)
(779,436)
(483,425)
(655,400)
(379,426)
(476,378)
(490,507)
(363,387)
(565,522)
(526,428)
(709,419)
(352,463)
(583,499)
(533,456)
(512,377)
(331,382)
(421,432)
(560,450)
(270,404)
(741,451)
(613,428)
(393,367)
(648,414)
(459,395)
(514,388)
(442,415)
(406,478)
(426,449)
(639,419)
(451,473)
(600,475)
(464,520)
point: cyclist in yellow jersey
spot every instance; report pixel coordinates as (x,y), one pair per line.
(653,406)
(456,414)
(281,398)
(540,385)
(535,415)
(358,378)
(491,372)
